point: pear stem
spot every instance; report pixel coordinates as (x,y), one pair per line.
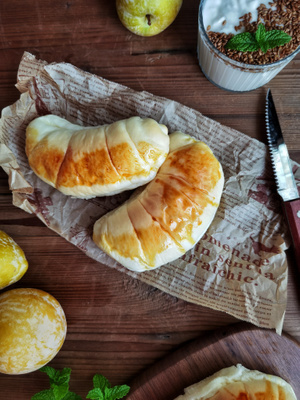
(148,16)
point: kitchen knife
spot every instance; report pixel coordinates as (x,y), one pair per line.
(285,181)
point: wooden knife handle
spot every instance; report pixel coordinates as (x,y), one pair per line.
(292,210)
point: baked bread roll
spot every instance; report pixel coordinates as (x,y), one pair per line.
(104,160)
(240,383)
(167,218)
(32,330)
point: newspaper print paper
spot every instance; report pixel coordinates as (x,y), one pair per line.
(238,267)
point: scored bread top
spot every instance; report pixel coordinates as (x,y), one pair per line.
(239,383)
(161,222)
(96,161)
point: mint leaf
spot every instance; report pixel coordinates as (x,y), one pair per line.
(59,383)
(117,392)
(51,372)
(245,41)
(262,39)
(103,390)
(57,377)
(101,382)
(276,38)
(260,36)
(96,394)
(44,395)
(63,376)
(260,33)
(72,396)
(60,391)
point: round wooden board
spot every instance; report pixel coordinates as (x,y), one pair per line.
(250,346)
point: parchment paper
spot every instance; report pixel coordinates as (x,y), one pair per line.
(238,267)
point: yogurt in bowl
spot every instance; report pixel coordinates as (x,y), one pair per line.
(238,71)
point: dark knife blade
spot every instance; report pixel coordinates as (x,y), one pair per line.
(286,185)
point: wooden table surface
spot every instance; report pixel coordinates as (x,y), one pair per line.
(118,326)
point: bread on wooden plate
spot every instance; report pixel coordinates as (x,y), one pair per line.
(32,330)
(104,160)
(239,383)
(159,223)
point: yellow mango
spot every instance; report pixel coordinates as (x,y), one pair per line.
(32,330)
(13,263)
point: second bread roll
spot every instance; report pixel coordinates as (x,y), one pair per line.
(166,219)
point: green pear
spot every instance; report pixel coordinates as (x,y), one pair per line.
(147,17)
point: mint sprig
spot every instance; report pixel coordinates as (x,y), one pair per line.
(59,384)
(59,387)
(261,39)
(103,390)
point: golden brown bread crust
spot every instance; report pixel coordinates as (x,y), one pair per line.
(160,223)
(96,161)
(239,391)
(239,383)
(45,161)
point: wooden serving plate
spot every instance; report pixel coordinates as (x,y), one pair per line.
(246,344)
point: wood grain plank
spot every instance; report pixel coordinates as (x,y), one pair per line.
(262,350)
(118,326)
